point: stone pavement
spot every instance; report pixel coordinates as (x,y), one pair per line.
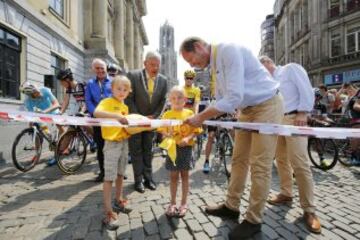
(44,204)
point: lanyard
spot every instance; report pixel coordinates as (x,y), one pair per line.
(213,72)
(101,90)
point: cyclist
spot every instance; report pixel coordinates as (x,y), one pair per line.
(75,97)
(41,100)
(75,93)
(192,93)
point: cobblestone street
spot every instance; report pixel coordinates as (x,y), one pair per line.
(44,204)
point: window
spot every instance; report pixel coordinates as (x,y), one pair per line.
(352,5)
(334,8)
(58,7)
(353,39)
(335,44)
(10,50)
(57,63)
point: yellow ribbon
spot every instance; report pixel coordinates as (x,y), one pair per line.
(169,144)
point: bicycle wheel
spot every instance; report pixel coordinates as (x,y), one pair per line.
(26,150)
(227,153)
(71,151)
(344,151)
(323,153)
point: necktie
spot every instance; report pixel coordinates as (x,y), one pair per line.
(150,86)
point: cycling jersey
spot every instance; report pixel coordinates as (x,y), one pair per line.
(76,98)
(192,95)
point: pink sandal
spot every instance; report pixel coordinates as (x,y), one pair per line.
(182,210)
(171,210)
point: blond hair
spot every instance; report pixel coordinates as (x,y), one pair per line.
(177,89)
(120,79)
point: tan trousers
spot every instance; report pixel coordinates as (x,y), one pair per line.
(291,155)
(255,151)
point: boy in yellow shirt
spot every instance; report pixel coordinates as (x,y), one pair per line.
(115,150)
(184,138)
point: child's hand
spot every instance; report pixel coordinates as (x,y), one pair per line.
(123,121)
(184,142)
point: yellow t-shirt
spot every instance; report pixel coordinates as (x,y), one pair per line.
(179,132)
(192,95)
(112,105)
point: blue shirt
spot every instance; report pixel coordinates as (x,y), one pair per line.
(241,80)
(95,92)
(43,102)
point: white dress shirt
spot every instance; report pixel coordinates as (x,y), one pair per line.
(295,87)
(241,80)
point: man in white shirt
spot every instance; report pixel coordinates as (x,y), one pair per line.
(291,152)
(240,82)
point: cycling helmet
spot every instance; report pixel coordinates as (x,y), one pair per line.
(189,74)
(28,88)
(65,74)
(113,68)
(317,93)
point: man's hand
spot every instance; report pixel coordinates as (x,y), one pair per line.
(150,116)
(195,121)
(300,119)
(123,120)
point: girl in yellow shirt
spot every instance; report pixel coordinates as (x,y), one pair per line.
(183,136)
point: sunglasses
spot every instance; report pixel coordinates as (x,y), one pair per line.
(189,78)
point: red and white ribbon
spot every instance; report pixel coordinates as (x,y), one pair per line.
(263,128)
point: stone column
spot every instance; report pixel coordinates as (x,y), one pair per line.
(137,46)
(119,31)
(129,43)
(99,18)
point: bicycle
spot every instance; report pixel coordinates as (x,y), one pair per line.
(329,151)
(223,152)
(71,149)
(197,149)
(29,142)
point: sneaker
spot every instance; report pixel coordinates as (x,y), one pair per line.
(111,221)
(120,206)
(51,162)
(354,161)
(325,163)
(206,167)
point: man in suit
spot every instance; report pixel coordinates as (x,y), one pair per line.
(239,81)
(148,97)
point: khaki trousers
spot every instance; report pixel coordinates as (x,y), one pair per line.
(255,151)
(291,155)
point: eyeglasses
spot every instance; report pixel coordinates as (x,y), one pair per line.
(189,79)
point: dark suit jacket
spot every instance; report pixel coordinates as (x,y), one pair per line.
(139,100)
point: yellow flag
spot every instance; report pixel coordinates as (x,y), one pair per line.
(169,144)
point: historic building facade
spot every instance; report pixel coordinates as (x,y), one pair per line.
(322,35)
(168,54)
(267,37)
(38,37)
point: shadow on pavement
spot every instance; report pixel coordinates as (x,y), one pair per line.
(60,193)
